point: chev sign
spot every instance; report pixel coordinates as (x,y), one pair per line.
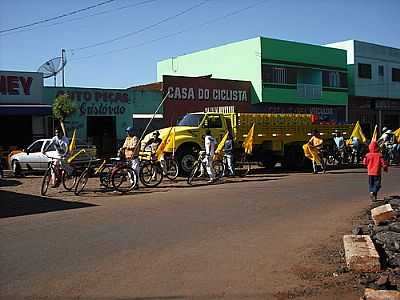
(21,87)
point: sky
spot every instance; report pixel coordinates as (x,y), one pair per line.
(118,44)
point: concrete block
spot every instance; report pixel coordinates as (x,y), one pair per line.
(360,253)
(371,294)
(382,213)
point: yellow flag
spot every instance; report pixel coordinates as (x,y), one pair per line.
(397,135)
(72,145)
(375,134)
(248,142)
(357,132)
(171,140)
(161,147)
(222,143)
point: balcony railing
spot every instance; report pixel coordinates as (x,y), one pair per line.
(305,90)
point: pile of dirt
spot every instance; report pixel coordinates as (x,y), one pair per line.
(386,238)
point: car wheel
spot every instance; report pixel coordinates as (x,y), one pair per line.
(16,168)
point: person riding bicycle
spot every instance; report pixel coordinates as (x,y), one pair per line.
(209,145)
(154,142)
(228,154)
(131,149)
(60,143)
(316,144)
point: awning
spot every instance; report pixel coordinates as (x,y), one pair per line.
(25,109)
(147,116)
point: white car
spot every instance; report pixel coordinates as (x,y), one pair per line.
(32,159)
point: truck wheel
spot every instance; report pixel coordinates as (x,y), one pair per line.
(186,156)
(294,158)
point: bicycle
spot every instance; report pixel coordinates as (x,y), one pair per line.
(200,164)
(151,172)
(65,174)
(115,174)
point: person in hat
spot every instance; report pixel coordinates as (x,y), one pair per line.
(131,149)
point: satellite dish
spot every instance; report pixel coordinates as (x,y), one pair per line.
(52,67)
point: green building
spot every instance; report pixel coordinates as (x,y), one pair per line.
(286,76)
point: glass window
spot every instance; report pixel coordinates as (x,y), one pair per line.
(364,71)
(35,147)
(381,71)
(192,120)
(395,74)
(214,122)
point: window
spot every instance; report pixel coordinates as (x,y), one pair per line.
(364,71)
(381,71)
(192,120)
(35,147)
(279,74)
(213,122)
(395,74)
(334,79)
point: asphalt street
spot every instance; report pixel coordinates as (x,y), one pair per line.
(241,239)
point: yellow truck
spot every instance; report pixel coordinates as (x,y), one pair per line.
(277,137)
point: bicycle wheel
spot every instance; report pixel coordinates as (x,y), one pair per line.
(242,167)
(105,177)
(46,181)
(69,179)
(81,183)
(171,168)
(219,168)
(123,179)
(195,172)
(151,174)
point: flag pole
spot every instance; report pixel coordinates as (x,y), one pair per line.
(152,118)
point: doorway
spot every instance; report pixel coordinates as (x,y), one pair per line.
(101,132)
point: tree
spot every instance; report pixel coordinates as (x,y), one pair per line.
(63,107)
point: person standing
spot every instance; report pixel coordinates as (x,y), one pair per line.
(375,163)
(228,153)
(209,145)
(312,151)
(131,150)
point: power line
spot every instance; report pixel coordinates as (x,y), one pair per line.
(82,17)
(57,17)
(215,20)
(142,29)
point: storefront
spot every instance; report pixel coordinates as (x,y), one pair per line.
(24,117)
(102,115)
(370,111)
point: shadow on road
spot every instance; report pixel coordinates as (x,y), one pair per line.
(9,182)
(15,204)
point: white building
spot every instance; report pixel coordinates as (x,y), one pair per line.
(374,83)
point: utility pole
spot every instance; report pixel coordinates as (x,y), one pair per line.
(63,58)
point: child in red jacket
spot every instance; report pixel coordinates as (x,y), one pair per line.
(374,162)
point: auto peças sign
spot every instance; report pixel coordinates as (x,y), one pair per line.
(99,102)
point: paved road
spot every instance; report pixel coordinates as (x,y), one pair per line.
(238,240)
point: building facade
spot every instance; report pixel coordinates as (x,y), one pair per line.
(24,115)
(286,76)
(374,83)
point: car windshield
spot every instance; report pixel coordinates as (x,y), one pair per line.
(192,120)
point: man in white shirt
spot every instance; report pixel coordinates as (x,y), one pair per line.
(60,143)
(209,145)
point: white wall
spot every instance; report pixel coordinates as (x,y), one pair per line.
(376,55)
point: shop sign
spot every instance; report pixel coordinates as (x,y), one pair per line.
(182,88)
(99,102)
(21,87)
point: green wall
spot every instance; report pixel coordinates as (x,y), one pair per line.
(302,54)
(281,95)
